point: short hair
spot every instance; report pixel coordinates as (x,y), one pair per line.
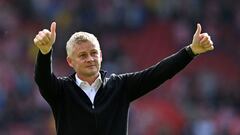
(79,37)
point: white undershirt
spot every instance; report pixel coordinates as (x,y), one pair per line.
(90,90)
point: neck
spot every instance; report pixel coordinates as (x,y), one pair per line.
(89,79)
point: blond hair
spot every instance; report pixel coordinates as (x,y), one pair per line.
(79,37)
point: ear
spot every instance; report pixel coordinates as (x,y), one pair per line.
(69,61)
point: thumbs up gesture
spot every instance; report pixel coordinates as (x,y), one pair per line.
(201,42)
(45,39)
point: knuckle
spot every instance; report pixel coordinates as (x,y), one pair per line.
(46,32)
(35,40)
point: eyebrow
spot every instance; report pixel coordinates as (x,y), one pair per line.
(93,50)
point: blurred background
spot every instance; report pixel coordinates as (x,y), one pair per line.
(203,99)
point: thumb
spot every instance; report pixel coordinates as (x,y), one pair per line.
(53,29)
(199,30)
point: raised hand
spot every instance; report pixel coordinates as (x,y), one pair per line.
(201,42)
(45,39)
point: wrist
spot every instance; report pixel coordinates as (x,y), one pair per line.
(190,51)
(45,51)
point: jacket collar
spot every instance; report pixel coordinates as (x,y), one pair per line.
(103,74)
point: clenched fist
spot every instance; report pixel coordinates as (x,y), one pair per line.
(45,39)
(201,42)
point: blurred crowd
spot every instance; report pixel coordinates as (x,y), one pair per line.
(204,99)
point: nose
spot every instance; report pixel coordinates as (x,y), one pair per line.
(89,58)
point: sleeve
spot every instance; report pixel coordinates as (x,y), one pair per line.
(47,82)
(139,83)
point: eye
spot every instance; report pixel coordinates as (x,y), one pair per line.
(82,55)
(94,53)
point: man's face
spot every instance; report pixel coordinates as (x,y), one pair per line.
(85,59)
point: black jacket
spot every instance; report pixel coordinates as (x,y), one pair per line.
(75,114)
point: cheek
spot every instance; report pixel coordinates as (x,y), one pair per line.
(100,58)
(77,63)
(99,61)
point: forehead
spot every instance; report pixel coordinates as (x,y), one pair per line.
(84,46)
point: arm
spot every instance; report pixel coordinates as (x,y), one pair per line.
(44,77)
(139,83)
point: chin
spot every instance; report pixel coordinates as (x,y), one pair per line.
(92,73)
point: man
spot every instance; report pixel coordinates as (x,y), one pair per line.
(87,102)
